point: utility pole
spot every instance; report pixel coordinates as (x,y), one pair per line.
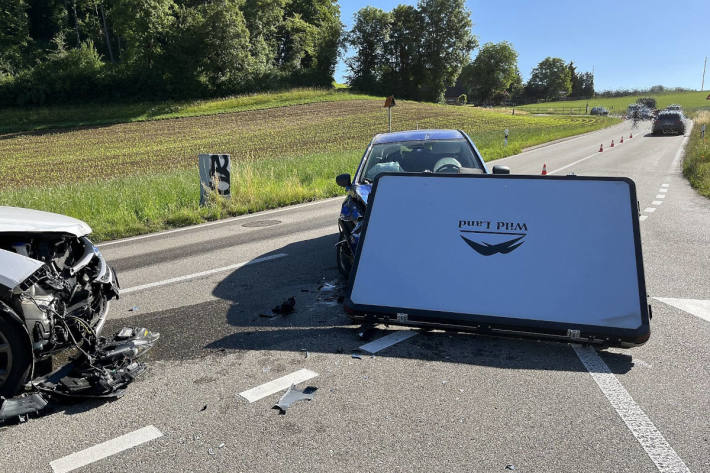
(702,87)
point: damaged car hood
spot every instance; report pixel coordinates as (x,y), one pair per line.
(15,219)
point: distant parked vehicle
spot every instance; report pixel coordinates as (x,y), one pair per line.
(669,122)
(599,111)
(675,107)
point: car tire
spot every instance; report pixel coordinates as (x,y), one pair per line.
(343,257)
(15,357)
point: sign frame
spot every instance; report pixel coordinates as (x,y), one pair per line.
(565,331)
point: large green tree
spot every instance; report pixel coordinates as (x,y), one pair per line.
(550,79)
(447,42)
(491,76)
(402,53)
(14,36)
(368,36)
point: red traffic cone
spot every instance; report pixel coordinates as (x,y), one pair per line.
(622,140)
(612,144)
(544,170)
(631,135)
(601,148)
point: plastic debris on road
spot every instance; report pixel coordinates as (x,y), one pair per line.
(294,395)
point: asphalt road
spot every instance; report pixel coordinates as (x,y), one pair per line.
(435,402)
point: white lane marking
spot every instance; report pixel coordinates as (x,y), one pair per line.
(573,163)
(284,382)
(387,341)
(697,307)
(665,185)
(652,441)
(661,196)
(218,222)
(657,202)
(106,449)
(643,217)
(200,274)
(679,154)
(665,189)
(649,210)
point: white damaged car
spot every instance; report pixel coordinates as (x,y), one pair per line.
(55,289)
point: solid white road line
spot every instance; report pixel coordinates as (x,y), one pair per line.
(697,307)
(201,274)
(106,449)
(657,202)
(652,441)
(277,385)
(643,217)
(649,210)
(661,196)
(218,222)
(387,341)
(573,163)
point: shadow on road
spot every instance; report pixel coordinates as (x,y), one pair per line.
(319,324)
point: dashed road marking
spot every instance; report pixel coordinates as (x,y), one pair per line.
(697,307)
(652,441)
(661,196)
(657,202)
(201,274)
(104,450)
(643,217)
(284,382)
(665,189)
(649,210)
(665,185)
(388,341)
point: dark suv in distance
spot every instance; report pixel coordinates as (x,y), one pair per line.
(668,122)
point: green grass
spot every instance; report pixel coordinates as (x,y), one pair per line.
(690,101)
(696,165)
(40,118)
(133,178)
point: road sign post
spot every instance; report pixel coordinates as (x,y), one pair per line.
(505,141)
(389,103)
(215,175)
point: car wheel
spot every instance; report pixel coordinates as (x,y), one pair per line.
(15,358)
(344,257)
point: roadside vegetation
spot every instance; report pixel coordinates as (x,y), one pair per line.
(131,178)
(696,165)
(44,117)
(690,101)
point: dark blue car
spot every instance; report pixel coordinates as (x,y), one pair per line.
(435,151)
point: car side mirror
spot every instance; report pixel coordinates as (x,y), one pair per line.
(343,180)
(501,170)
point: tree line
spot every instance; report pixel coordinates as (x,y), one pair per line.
(54,51)
(417,52)
(58,51)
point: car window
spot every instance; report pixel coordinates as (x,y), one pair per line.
(442,156)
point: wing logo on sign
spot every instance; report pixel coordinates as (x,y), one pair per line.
(493,232)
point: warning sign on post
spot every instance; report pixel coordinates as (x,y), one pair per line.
(558,256)
(215,175)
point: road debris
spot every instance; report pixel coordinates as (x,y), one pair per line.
(102,370)
(357,356)
(286,306)
(204,408)
(510,467)
(135,308)
(294,395)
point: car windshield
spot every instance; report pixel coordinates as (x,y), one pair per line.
(439,156)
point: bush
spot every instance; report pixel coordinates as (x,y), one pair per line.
(462,99)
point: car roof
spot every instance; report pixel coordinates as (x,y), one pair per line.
(416,135)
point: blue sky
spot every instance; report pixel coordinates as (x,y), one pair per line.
(630,44)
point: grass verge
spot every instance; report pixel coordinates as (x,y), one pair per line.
(696,165)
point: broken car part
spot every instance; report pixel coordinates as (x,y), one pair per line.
(294,395)
(286,307)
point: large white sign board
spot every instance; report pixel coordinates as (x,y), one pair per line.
(550,253)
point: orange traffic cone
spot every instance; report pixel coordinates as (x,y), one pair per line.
(544,170)
(622,140)
(601,148)
(612,144)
